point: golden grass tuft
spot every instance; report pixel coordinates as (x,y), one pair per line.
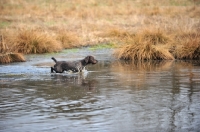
(190,46)
(17,57)
(143,52)
(6,56)
(33,41)
(145,45)
(11,57)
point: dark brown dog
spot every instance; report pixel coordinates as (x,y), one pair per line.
(75,66)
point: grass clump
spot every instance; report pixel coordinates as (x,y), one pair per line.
(11,57)
(190,46)
(6,56)
(33,41)
(158,45)
(146,45)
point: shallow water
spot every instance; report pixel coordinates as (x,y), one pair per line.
(109,96)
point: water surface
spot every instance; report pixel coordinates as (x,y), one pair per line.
(109,96)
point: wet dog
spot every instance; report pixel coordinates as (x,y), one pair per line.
(74,66)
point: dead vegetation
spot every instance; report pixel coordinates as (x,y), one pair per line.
(68,39)
(156,44)
(6,56)
(145,45)
(144,30)
(189,47)
(11,57)
(31,42)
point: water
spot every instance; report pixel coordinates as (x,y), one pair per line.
(109,96)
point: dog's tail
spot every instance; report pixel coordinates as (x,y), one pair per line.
(54,59)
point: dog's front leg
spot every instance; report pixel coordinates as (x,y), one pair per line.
(52,69)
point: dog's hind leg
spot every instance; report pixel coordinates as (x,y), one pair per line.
(56,70)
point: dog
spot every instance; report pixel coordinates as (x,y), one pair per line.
(74,66)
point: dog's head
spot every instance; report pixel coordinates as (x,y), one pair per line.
(90,60)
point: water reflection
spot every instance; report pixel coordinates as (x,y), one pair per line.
(78,79)
(141,66)
(139,73)
(110,96)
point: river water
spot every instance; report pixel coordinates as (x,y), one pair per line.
(111,96)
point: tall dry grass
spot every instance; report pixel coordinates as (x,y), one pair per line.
(50,26)
(6,56)
(156,44)
(189,47)
(11,57)
(33,41)
(148,44)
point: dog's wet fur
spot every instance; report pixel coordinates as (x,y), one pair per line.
(74,66)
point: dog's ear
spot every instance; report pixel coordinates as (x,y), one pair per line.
(87,59)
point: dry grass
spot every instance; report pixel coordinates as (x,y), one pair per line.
(11,57)
(6,56)
(190,46)
(156,44)
(31,41)
(143,52)
(50,26)
(145,45)
(68,39)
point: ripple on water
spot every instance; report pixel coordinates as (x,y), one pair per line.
(111,96)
